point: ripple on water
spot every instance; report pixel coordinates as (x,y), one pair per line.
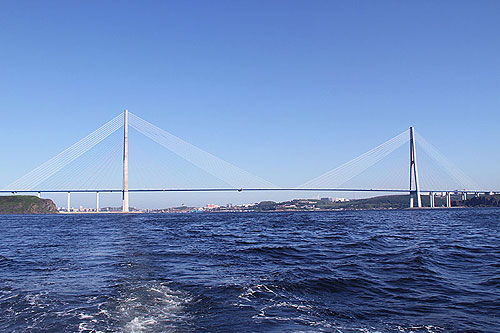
(379,271)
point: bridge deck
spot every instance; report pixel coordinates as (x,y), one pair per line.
(244,190)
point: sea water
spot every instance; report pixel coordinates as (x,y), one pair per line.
(351,271)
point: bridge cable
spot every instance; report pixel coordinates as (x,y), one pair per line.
(215,166)
(451,169)
(50,167)
(340,175)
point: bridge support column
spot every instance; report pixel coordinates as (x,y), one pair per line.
(414,172)
(432,199)
(448,199)
(69,202)
(464,196)
(97,202)
(39,195)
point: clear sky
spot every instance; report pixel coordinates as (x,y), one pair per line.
(284,89)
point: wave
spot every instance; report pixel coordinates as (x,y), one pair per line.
(152,306)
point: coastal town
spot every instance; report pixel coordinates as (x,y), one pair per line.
(293,205)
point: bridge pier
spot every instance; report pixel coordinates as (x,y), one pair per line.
(464,196)
(69,202)
(39,195)
(448,199)
(432,199)
(97,201)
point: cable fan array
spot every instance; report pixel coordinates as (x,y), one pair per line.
(40,174)
(68,167)
(347,171)
(215,166)
(383,167)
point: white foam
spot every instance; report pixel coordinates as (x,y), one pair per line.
(85,316)
(148,306)
(139,324)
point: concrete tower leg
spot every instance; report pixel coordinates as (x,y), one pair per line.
(414,172)
(125,204)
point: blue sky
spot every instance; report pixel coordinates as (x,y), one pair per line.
(284,89)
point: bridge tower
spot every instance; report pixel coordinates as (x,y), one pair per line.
(125,163)
(414,172)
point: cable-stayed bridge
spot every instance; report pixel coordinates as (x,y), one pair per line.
(70,172)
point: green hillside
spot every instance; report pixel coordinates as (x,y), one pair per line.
(26,204)
(482,201)
(380,202)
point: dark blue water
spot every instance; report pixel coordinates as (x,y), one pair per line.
(371,271)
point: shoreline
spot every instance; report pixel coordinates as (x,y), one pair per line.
(273,211)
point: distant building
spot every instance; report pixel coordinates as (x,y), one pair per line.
(334,199)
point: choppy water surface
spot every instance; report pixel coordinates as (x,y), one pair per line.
(372,271)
